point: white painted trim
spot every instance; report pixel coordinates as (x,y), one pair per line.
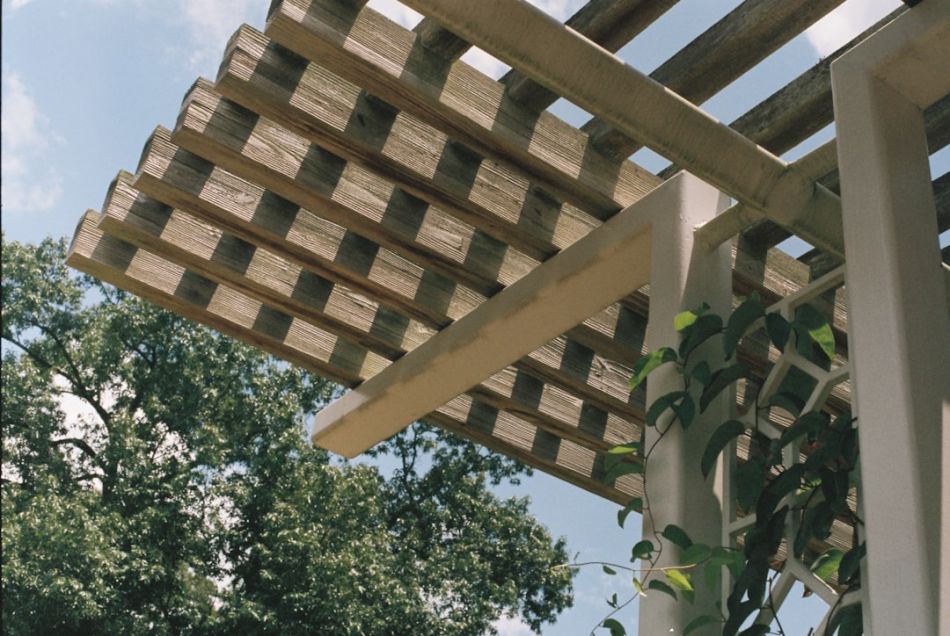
(899,328)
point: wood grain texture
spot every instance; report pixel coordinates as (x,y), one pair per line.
(182,180)
(336,114)
(227,260)
(227,310)
(347,194)
(378,54)
(720,55)
(519,33)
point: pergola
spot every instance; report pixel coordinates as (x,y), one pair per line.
(351,197)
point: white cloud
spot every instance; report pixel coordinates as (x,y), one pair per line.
(27,135)
(16,4)
(511,626)
(846,22)
(210,23)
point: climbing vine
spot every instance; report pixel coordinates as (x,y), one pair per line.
(807,493)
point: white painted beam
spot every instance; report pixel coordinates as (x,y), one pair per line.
(607,264)
(899,332)
(571,65)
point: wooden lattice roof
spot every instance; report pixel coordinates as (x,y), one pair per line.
(347,188)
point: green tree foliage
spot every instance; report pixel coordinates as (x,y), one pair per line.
(191,502)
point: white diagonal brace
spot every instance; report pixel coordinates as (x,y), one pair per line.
(607,264)
(571,65)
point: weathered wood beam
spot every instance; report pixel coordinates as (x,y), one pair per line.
(263,275)
(181,179)
(802,107)
(550,52)
(197,298)
(345,193)
(338,115)
(609,23)
(372,51)
(720,55)
(511,324)
(227,310)
(177,176)
(257,272)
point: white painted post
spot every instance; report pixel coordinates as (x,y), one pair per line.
(682,275)
(899,330)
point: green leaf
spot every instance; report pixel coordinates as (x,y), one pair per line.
(685,411)
(612,601)
(721,379)
(755,630)
(656,584)
(648,363)
(685,319)
(625,449)
(633,505)
(680,580)
(638,586)
(700,621)
(617,454)
(702,373)
(787,402)
(621,469)
(827,564)
(642,549)
(818,329)
(696,553)
(726,432)
(778,329)
(786,483)
(699,332)
(677,536)
(609,570)
(808,424)
(661,404)
(741,319)
(848,621)
(850,563)
(616,629)
(749,482)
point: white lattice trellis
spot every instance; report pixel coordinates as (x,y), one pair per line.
(758,416)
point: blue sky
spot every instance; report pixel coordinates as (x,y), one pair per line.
(84,82)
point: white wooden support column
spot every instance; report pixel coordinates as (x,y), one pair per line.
(899,331)
(683,274)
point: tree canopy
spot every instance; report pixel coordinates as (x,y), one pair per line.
(190,502)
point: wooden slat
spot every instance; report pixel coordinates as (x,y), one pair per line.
(227,310)
(336,114)
(281,284)
(321,243)
(609,23)
(346,193)
(182,180)
(228,260)
(720,55)
(259,215)
(175,288)
(802,107)
(439,41)
(378,54)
